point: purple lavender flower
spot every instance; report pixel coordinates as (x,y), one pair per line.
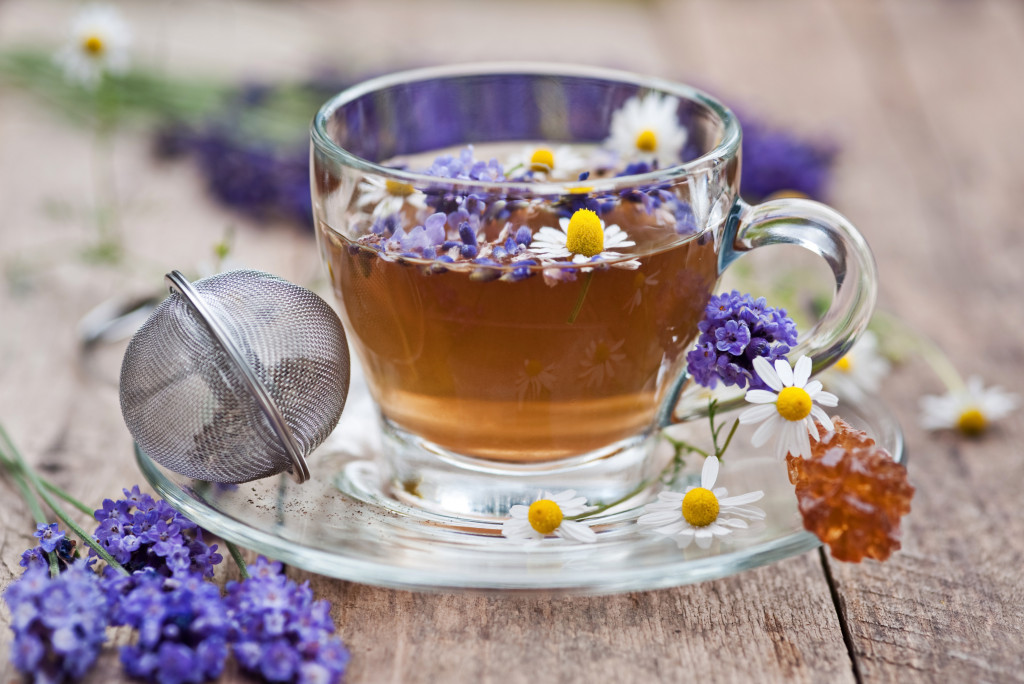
(733,337)
(143,533)
(737,329)
(466,167)
(182,626)
(59,624)
(774,161)
(421,240)
(279,632)
(49,536)
(34,558)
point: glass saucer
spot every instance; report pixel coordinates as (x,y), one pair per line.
(342,525)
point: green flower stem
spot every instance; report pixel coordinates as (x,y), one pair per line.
(16,472)
(604,507)
(728,440)
(681,445)
(68,497)
(33,504)
(583,295)
(16,457)
(236,555)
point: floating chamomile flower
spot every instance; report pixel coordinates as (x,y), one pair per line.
(583,239)
(600,360)
(861,370)
(546,516)
(790,406)
(98,45)
(701,513)
(534,378)
(969,410)
(387,197)
(553,163)
(648,128)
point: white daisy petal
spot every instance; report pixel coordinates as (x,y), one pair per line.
(672,528)
(767,373)
(737,523)
(785,372)
(767,429)
(684,538)
(749,497)
(757,396)
(703,538)
(812,388)
(576,531)
(659,517)
(827,399)
(756,414)
(709,473)
(752,512)
(802,371)
(823,418)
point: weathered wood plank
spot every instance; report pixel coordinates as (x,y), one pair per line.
(772,624)
(949,606)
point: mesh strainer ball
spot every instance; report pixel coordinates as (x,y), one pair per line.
(235,377)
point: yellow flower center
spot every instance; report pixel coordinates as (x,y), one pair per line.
(398,189)
(639,280)
(972,422)
(647,141)
(543,159)
(581,189)
(793,403)
(585,235)
(700,507)
(844,364)
(602,352)
(533,368)
(93,45)
(545,516)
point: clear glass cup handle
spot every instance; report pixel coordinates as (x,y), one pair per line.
(824,231)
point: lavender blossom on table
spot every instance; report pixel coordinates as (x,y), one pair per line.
(59,623)
(142,533)
(280,632)
(182,625)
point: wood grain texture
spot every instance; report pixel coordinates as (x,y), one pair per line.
(923,98)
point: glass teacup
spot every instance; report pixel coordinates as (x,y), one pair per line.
(522,254)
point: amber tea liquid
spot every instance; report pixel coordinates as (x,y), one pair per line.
(495,370)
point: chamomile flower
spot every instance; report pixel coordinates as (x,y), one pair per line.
(789,408)
(600,360)
(701,513)
(641,282)
(98,44)
(969,410)
(534,378)
(553,163)
(583,239)
(860,371)
(546,516)
(387,197)
(648,128)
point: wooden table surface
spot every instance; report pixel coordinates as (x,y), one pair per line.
(925,100)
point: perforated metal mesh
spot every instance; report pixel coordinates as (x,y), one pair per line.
(188,407)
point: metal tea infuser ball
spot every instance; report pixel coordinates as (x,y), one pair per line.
(235,377)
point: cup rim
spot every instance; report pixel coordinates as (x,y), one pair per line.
(726,148)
